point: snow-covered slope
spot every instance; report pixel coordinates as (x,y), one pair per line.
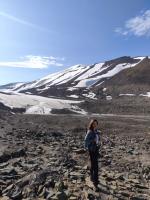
(77,78)
(38,105)
(56,78)
(11,86)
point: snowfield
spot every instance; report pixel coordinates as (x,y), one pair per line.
(37,104)
(145,95)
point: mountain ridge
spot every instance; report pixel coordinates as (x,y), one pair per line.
(81,79)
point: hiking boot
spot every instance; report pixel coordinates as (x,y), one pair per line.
(96,183)
(91,178)
(97,189)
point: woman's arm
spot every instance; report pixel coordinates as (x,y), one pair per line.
(87,140)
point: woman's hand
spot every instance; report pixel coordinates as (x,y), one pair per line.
(95,140)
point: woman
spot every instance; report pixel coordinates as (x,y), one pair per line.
(92,145)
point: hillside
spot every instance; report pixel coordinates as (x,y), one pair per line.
(121,85)
(78,79)
(134,80)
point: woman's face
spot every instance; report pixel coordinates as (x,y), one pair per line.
(95,125)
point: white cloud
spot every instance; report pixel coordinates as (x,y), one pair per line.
(138,26)
(24,22)
(31,61)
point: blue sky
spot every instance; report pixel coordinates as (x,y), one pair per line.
(41,37)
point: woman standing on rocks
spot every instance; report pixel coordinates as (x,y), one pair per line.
(91,144)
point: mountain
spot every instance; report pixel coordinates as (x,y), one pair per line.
(121,85)
(82,81)
(134,80)
(10,86)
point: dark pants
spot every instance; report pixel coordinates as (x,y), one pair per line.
(94,166)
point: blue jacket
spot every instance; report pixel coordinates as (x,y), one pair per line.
(89,141)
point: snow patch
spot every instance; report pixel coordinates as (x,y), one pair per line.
(93,70)
(73,96)
(139,57)
(78,110)
(127,95)
(145,95)
(36,104)
(90,95)
(108,98)
(72,88)
(104,89)
(100,83)
(38,109)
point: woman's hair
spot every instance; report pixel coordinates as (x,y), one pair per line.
(90,126)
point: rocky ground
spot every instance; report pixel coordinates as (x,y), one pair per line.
(136,105)
(42,157)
